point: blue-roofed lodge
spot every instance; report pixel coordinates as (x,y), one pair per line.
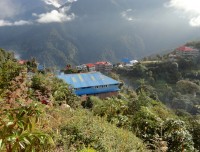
(93,83)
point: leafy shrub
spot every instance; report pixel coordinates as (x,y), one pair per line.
(18,131)
(85,130)
(113,109)
(146,124)
(88,150)
(194,128)
(8,71)
(54,89)
(177,136)
(19,118)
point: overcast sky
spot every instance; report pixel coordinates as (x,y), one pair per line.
(158,23)
(187,10)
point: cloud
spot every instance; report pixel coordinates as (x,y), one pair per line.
(59,14)
(55,3)
(55,16)
(22,22)
(195,21)
(127,14)
(9,8)
(191,8)
(16,23)
(5,23)
(71,1)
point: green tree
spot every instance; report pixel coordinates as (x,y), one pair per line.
(194,128)
(139,70)
(186,86)
(8,71)
(177,136)
(113,109)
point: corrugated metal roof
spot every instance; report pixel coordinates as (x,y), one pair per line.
(83,80)
(125,60)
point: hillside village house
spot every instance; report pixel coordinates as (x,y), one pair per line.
(82,67)
(93,83)
(90,67)
(125,61)
(187,52)
(172,57)
(103,66)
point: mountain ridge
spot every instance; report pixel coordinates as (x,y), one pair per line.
(98,30)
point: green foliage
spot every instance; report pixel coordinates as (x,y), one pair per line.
(139,70)
(8,71)
(113,109)
(5,56)
(147,121)
(177,135)
(193,123)
(146,124)
(195,44)
(165,93)
(106,125)
(32,65)
(51,87)
(186,64)
(184,102)
(82,129)
(143,100)
(114,76)
(150,124)
(147,90)
(186,86)
(20,115)
(18,132)
(88,150)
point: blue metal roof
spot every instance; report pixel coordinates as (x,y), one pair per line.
(83,80)
(126,60)
(99,90)
(40,67)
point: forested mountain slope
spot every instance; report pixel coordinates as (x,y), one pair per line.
(91,30)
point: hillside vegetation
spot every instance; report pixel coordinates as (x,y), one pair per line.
(40,113)
(174,83)
(61,125)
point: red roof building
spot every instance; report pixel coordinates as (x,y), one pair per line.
(90,67)
(103,66)
(185,51)
(184,48)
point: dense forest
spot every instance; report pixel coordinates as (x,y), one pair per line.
(159,112)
